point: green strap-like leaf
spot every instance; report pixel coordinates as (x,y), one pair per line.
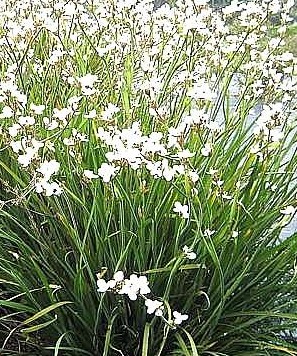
(146,335)
(44,312)
(34,328)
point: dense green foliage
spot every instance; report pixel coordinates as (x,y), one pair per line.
(240,290)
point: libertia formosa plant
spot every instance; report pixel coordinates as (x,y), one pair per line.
(147,169)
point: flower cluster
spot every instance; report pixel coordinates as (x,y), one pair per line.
(183,210)
(43,184)
(132,287)
(269,127)
(160,155)
(137,287)
(124,38)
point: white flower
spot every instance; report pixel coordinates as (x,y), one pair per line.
(213,126)
(183,210)
(286,56)
(90,174)
(73,101)
(50,125)
(88,91)
(38,109)
(143,284)
(276,134)
(289,210)
(107,171)
(102,285)
(189,253)
(26,158)
(14,130)
(212,171)
(91,115)
(159,311)
(235,233)
(154,306)
(201,90)
(226,196)
(118,276)
(108,113)
(26,120)
(139,284)
(48,168)
(130,289)
(52,189)
(126,289)
(185,154)
(111,283)
(68,141)
(88,80)
(70,80)
(209,232)
(7,112)
(179,318)
(206,150)
(61,114)
(134,286)
(55,55)
(193,176)
(49,189)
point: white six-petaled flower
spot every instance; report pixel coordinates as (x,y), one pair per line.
(107,171)
(154,306)
(38,109)
(134,286)
(90,174)
(189,253)
(206,150)
(102,285)
(179,318)
(48,168)
(183,210)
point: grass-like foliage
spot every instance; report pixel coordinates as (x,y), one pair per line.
(147,169)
